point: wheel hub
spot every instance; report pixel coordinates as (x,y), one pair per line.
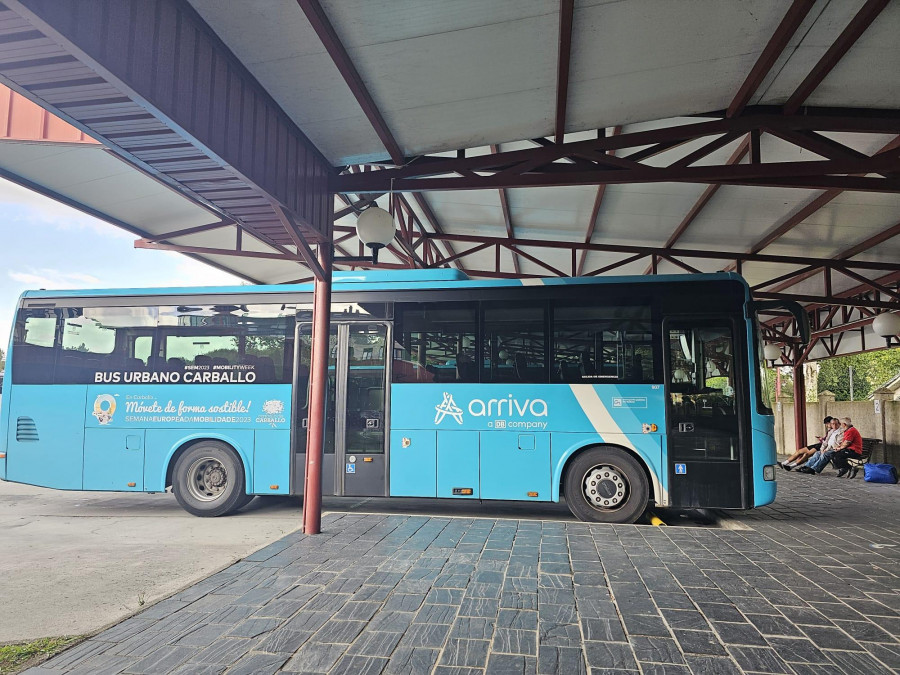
(605,487)
(208,479)
(215,477)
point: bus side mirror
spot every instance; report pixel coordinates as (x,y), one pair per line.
(796,310)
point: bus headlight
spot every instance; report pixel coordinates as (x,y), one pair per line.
(769,472)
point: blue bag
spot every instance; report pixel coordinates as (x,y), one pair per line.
(880,473)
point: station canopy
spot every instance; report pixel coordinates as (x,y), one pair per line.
(510,139)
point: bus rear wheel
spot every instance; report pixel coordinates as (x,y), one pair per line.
(208,480)
(606,485)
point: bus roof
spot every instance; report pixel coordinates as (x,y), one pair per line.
(382,280)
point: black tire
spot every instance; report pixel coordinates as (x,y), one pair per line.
(606,485)
(208,480)
(243,502)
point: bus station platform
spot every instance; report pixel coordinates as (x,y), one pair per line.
(810,584)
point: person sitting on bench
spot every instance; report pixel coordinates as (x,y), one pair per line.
(851,446)
(803,454)
(820,459)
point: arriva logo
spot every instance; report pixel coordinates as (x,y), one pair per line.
(448,407)
(495,407)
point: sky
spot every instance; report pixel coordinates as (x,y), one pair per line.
(45,244)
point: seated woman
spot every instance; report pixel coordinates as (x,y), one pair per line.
(830,445)
(803,454)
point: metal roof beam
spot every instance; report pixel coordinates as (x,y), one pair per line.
(680,253)
(335,48)
(861,247)
(854,30)
(773,49)
(736,157)
(566,11)
(595,211)
(507,219)
(159,66)
(590,161)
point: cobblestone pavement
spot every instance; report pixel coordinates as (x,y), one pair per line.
(810,584)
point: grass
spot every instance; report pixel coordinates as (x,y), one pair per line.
(13,658)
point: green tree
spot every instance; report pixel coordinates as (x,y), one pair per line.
(870,371)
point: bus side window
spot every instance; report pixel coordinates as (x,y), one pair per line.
(595,343)
(33,351)
(435,342)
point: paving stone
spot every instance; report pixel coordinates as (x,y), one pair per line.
(664,669)
(805,616)
(888,654)
(686,619)
(102,664)
(608,655)
(284,641)
(831,637)
(559,634)
(314,657)
(817,669)
(640,624)
(673,600)
(738,633)
(476,628)
(425,635)
(711,665)
(198,669)
(513,600)
(225,651)
(258,664)
(336,631)
(511,664)
(798,650)
(467,653)
(569,660)
(306,621)
(699,642)
(359,665)
(436,614)
(253,627)
(374,643)
(405,602)
(161,660)
(721,612)
(656,650)
(516,641)
(758,659)
(203,636)
(394,622)
(457,670)
(855,663)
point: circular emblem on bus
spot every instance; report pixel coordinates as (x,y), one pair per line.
(104,408)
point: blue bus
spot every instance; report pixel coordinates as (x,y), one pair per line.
(610,393)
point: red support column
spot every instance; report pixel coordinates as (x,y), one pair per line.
(315,434)
(799,405)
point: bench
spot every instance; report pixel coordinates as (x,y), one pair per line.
(868,445)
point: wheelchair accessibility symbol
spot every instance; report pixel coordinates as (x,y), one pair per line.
(351,468)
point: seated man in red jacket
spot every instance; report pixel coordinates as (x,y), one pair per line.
(851,446)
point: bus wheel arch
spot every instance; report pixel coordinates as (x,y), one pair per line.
(606,483)
(208,477)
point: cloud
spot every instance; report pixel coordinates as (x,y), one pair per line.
(50,278)
(190,272)
(36,210)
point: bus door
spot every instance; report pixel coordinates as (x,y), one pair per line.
(706,464)
(356,409)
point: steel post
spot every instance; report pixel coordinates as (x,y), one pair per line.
(799,405)
(315,434)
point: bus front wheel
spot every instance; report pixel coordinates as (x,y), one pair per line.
(606,485)
(208,480)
